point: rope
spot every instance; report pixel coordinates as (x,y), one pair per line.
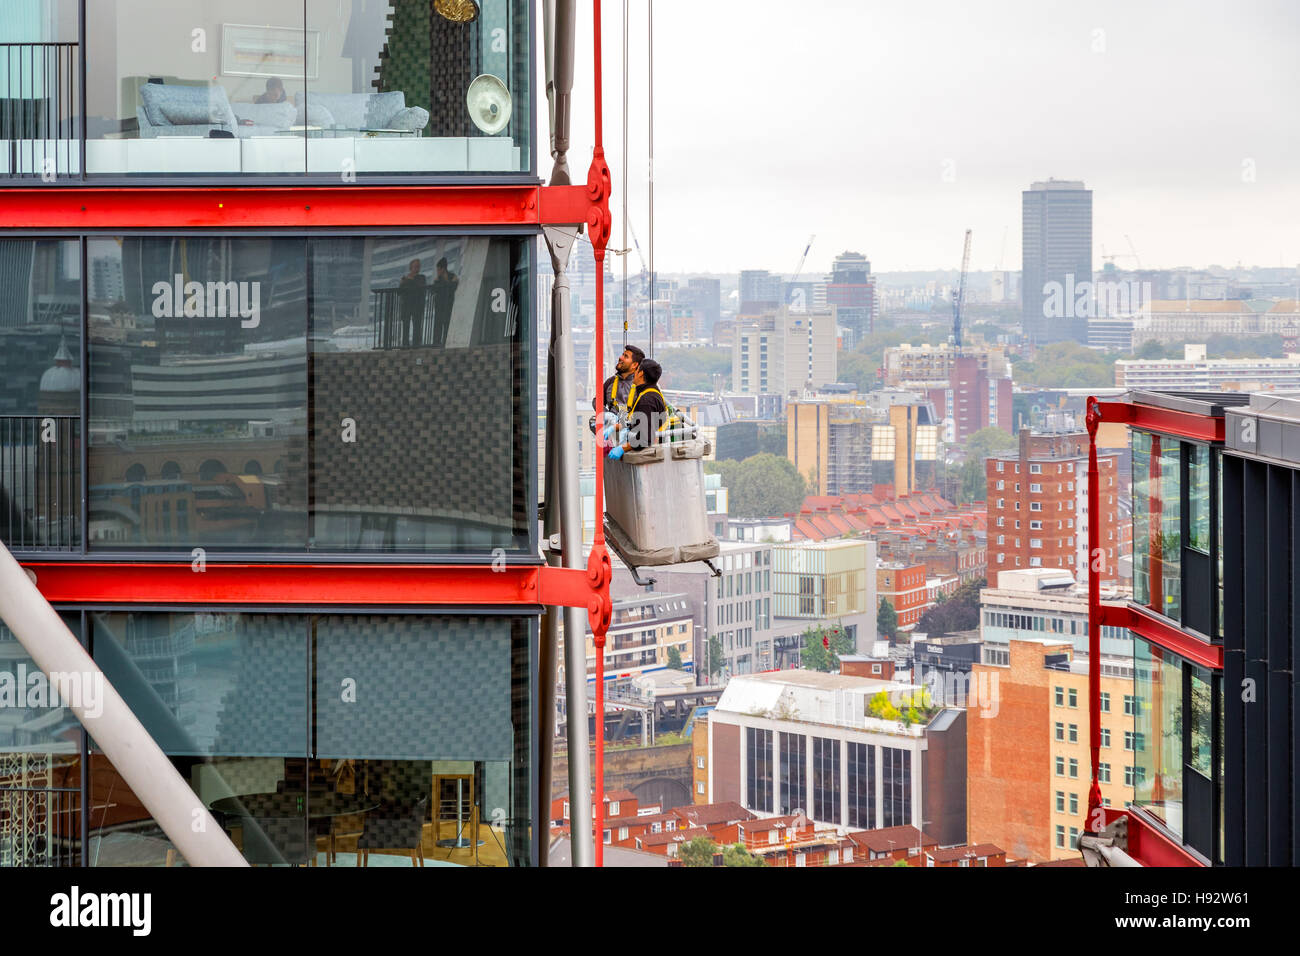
(623,252)
(650,11)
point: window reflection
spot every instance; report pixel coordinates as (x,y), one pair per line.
(1157,529)
(198,383)
(1156,744)
(331,740)
(40,394)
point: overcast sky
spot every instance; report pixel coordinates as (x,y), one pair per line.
(889,127)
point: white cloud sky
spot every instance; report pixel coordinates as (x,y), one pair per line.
(777,120)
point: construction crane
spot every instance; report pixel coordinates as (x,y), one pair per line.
(798,271)
(959,296)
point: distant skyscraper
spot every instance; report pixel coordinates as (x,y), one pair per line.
(852,290)
(760,291)
(1056,261)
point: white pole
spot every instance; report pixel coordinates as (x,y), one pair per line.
(117,731)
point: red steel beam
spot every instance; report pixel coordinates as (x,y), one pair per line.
(301,206)
(1157,630)
(1147,844)
(1187,425)
(399,585)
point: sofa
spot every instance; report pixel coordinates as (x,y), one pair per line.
(360,111)
(198,110)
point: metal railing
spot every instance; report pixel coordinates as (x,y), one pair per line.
(405,320)
(39,112)
(40,826)
(40,482)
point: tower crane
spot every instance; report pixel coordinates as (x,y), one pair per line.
(959,296)
(798,271)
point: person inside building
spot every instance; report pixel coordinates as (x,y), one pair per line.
(274,92)
(647,413)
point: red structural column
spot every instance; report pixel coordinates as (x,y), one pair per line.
(598,565)
(1096,561)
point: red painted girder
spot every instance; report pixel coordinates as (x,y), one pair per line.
(1148,845)
(1157,630)
(1164,420)
(401,585)
(303,206)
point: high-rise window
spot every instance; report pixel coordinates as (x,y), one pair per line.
(896,777)
(862,785)
(309,393)
(826,780)
(794,793)
(758,767)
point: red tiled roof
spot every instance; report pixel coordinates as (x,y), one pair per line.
(672,836)
(966,852)
(710,813)
(879,841)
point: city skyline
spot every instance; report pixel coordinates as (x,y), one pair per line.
(935,122)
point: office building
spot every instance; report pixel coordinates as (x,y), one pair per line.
(1056,267)
(852,752)
(1197,372)
(1214,478)
(784,352)
(1028,763)
(851,288)
(760,292)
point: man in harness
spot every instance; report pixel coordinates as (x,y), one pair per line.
(647,411)
(617,390)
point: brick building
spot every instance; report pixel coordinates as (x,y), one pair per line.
(1027,754)
(904,586)
(1038,509)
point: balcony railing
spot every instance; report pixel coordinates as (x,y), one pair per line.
(406,320)
(40,482)
(40,115)
(39,826)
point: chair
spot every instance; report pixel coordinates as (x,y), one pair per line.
(277,840)
(184,111)
(394,827)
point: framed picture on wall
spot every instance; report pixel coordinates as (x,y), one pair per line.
(269,51)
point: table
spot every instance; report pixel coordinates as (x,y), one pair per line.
(283,806)
(342,132)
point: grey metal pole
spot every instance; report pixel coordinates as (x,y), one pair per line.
(562,429)
(116,730)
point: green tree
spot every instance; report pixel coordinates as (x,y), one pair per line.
(1150,349)
(887,620)
(674,658)
(815,657)
(693,369)
(737,855)
(761,486)
(960,612)
(988,441)
(697,852)
(973,482)
(716,660)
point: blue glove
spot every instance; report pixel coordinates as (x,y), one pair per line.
(610,430)
(615,453)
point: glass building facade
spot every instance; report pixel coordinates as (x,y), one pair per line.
(235,392)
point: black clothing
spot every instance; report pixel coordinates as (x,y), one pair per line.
(444,293)
(410,297)
(645,420)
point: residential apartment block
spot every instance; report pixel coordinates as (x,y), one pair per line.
(1038,509)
